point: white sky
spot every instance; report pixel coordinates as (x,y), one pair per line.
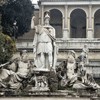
(34,1)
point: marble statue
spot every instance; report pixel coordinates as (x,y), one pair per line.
(5,73)
(84,55)
(44,44)
(71,66)
(4,76)
(77,75)
(84,77)
(41,82)
(71,76)
(87,80)
(21,73)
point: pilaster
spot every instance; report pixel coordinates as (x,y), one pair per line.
(66,21)
(90,32)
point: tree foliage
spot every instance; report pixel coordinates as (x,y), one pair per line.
(7,48)
(16,10)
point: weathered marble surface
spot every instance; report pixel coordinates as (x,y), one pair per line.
(44,98)
(44,44)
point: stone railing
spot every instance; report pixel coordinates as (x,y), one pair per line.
(78,44)
(24,45)
(65,44)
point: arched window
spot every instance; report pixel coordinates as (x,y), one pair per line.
(78,24)
(56,22)
(97,24)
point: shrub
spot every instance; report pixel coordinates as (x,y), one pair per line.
(7,48)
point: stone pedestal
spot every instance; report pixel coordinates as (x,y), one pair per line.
(41,80)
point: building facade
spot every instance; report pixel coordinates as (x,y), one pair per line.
(73,18)
(77,22)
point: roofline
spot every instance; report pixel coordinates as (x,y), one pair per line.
(63,2)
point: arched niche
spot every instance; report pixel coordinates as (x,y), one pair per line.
(56,21)
(78,23)
(97,24)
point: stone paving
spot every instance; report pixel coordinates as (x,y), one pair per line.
(43,98)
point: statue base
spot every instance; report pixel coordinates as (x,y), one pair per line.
(58,93)
(41,79)
(42,89)
(45,70)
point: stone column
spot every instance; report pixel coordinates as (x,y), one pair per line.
(68,27)
(65,23)
(90,34)
(93,25)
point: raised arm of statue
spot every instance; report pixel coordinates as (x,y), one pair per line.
(32,23)
(34,44)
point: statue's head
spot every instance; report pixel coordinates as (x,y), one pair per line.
(46,18)
(71,56)
(72,52)
(23,55)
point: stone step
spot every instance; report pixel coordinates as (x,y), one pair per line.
(43,98)
(60,93)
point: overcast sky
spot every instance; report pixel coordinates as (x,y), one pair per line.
(34,1)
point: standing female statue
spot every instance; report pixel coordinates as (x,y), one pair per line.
(44,44)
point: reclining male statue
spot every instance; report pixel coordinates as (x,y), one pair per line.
(23,67)
(13,77)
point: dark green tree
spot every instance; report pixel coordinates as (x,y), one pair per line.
(7,48)
(19,11)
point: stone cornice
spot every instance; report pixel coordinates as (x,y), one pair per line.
(63,2)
